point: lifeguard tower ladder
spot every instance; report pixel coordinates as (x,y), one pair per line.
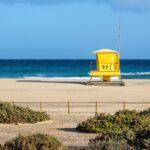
(107,66)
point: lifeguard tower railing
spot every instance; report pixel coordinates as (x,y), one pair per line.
(108,67)
(93,65)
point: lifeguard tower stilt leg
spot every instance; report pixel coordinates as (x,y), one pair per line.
(106,78)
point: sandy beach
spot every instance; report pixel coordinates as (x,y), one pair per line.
(51,90)
(25,91)
(46,90)
(62,124)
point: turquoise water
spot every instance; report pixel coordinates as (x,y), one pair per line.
(130,69)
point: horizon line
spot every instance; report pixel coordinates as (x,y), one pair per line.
(68,58)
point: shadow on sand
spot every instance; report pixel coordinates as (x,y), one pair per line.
(66,82)
(72,130)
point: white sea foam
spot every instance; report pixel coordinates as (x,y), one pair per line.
(40,75)
(135,73)
(45,77)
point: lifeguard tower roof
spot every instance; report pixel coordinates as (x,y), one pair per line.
(105,51)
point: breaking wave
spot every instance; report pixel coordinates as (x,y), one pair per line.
(135,73)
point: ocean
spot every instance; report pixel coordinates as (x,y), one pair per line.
(130,69)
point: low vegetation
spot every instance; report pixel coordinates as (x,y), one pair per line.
(121,120)
(33,142)
(125,130)
(137,140)
(14,114)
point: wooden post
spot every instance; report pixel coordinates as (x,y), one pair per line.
(124,105)
(41,106)
(13,103)
(96,110)
(68,107)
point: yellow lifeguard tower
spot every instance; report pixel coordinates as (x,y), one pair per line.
(107,65)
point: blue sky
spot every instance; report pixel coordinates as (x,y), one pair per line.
(66,29)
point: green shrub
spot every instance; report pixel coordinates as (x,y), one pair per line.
(137,140)
(14,114)
(33,142)
(125,130)
(121,120)
(142,138)
(109,141)
(145,112)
